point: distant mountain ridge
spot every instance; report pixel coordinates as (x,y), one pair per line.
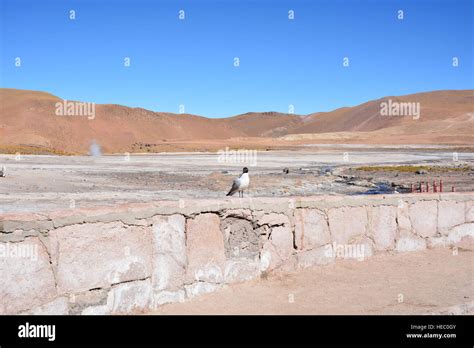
(29,118)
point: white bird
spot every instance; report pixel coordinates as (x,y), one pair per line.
(3,172)
(241,183)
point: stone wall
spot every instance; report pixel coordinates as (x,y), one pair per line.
(132,258)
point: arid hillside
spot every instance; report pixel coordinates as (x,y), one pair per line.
(434,106)
(28,121)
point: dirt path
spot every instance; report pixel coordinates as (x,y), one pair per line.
(431,281)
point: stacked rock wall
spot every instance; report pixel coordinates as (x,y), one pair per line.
(133,258)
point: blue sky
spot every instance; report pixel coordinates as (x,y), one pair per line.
(191,61)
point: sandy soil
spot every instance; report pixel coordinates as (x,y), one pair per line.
(432,281)
(40,183)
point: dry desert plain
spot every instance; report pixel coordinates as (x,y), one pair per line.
(39,183)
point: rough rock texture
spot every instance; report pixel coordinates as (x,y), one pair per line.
(450,214)
(423,217)
(269,258)
(470,211)
(115,253)
(410,243)
(59,306)
(346,223)
(239,213)
(465,243)
(282,238)
(200,288)
(163,297)
(311,229)
(457,233)
(273,219)
(436,242)
(240,238)
(169,252)
(241,270)
(26,276)
(319,256)
(403,221)
(383,226)
(131,297)
(205,249)
(104,308)
(26,221)
(92,302)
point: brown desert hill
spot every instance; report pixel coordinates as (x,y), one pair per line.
(434,106)
(446,117)
(28,119)
(264,124)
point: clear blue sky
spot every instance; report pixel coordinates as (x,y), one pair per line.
(190,61)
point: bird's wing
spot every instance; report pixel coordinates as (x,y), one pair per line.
(235,186)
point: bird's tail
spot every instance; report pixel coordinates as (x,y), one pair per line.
(230,193)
